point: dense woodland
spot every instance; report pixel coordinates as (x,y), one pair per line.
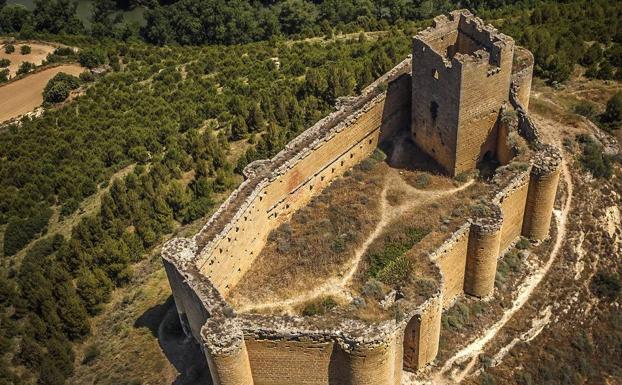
(174,108)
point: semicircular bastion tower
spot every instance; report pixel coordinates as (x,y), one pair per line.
(450,95)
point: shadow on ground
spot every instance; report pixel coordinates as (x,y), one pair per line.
(181,351)
(403,154)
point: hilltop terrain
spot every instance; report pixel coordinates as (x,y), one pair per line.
(90,190)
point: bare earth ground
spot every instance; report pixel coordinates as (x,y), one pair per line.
(36,56)
(24,95)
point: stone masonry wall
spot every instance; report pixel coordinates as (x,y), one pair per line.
(451,258)
(461,81)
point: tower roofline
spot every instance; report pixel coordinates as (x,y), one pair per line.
(442,38)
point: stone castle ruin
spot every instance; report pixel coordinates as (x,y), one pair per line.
(452,96)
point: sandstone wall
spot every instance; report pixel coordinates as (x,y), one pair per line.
(522,75)
(226,352)
(504,151)
(482,254)
(543,183)
(435,87)
(451,258)
(422,334)
(291,362)
(461,80)
(483,92)
(193,312)
(512,203)
(289,189)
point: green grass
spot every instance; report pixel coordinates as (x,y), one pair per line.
(391,265)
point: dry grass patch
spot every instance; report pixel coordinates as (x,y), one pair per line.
(318,240)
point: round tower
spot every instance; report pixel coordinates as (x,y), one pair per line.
(371,363)
(522,73)
(422,334)
(543,181)
(226,352)
(482,253)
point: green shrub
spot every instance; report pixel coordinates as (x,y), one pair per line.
(56,93)
(319,307)
(25,49)
(9,48)
(462,177)
(87,76)
(522,244)
(487,379)
(91,58)
(4,75)
(594,159)
(91,354)
(59,87)
(20,231)
(390,265)
(64,51)
(422,181)
(25,67)
(612,117)
(605,285)
(378,155)
(585,108)
(4,63)
(367,165)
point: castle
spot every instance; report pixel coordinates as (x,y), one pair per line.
(451,96)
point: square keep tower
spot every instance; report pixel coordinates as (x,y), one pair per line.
(461,76)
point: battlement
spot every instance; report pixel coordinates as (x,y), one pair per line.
(463,38)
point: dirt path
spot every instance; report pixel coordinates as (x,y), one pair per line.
(24,95)
(338,286)
(468,356)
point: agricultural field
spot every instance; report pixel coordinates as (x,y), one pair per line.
(24,95)
(38,53)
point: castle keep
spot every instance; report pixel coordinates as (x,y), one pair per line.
(460,81)
(450,96)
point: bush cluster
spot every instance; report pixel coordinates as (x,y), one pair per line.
(58,88)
